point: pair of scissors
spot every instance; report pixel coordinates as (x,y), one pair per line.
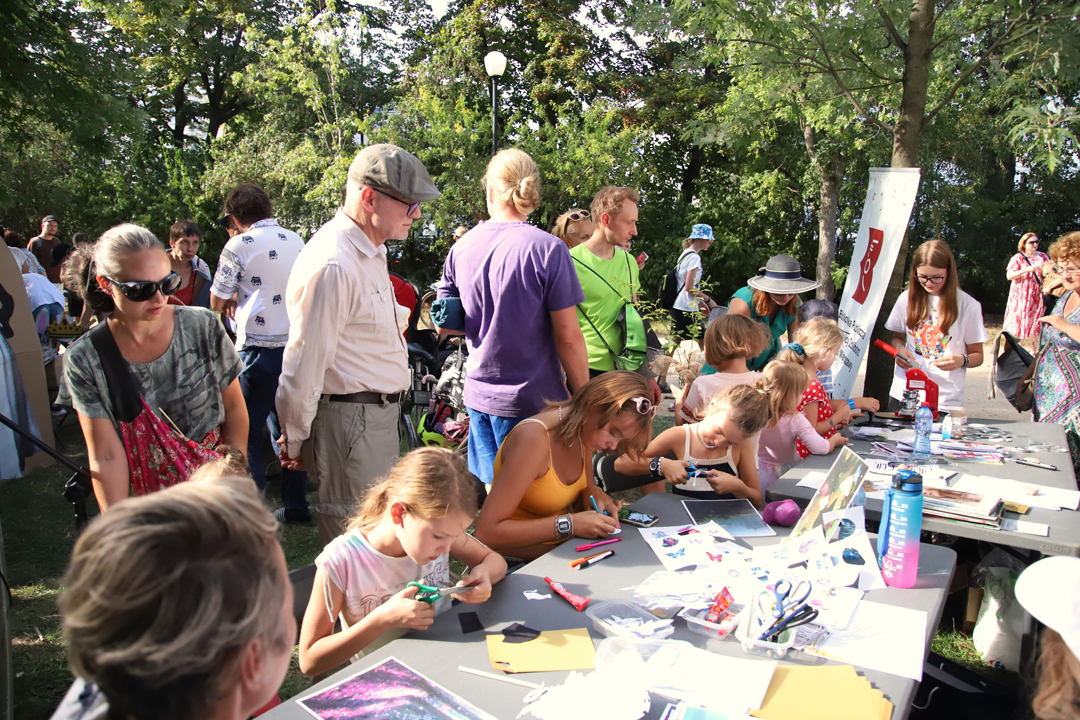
(801,616)
(789,596)
(430,593)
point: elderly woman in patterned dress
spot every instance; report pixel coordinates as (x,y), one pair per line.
(1025,305)
(1057,378)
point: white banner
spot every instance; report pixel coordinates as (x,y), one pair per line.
(889,199)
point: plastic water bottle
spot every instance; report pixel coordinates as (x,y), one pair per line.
(901,527)
(924,423)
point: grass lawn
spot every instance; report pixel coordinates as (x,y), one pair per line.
(38,531)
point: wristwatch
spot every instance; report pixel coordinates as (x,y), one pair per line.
(564,527)
(654,468)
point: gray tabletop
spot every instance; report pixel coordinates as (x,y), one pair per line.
(439,651)
(1064,537)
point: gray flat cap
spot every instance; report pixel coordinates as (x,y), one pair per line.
(394,170)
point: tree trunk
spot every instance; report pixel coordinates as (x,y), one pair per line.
(831,172)
(830,203)
(907,137)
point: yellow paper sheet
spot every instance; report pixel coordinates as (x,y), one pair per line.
(552,650)
(827,692)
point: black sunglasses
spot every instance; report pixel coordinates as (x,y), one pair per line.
(580,215)
(412,206)
(143,290)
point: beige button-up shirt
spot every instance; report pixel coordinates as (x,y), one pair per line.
(345,327)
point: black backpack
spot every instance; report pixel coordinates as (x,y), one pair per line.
(668,291)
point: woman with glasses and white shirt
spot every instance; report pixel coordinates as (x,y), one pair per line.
(1057,399)
(937,327)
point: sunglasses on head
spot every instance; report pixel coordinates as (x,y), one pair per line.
(580,215)
(644,406)
(143,290)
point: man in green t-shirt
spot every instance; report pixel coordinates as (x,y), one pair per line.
(609,278)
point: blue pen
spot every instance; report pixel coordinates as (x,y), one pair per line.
(597,507)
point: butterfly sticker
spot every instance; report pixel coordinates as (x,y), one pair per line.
(678,553)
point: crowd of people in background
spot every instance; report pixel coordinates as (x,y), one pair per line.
(560,394)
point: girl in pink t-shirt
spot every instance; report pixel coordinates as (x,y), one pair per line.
(729,342)
(777,442)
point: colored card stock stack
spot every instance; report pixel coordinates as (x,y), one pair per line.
(828,692)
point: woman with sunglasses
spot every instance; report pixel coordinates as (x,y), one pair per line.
(1056,396)
(543,492)
(1025,305)
(181,362)
(573,227)
(937,327)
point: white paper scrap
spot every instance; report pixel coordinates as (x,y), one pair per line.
(1025,526)
(710,680)
(536,595)
(597,694)
(881,637)
(1039,496)
(813,479)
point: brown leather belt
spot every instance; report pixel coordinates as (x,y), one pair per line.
(372,398)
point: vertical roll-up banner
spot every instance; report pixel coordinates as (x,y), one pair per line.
(889,199)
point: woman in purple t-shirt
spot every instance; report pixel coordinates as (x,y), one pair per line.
(518,289)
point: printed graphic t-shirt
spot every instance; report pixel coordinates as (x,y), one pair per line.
(368,578)
(927,342)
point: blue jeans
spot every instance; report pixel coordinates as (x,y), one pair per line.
(259,383)
(486,433)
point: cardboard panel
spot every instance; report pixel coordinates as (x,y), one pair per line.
(27,349)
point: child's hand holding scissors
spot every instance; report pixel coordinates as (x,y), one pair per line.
(479,583)
(403,611)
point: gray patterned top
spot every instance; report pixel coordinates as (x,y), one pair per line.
(186,381)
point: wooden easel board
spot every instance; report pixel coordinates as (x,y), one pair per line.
(26,346)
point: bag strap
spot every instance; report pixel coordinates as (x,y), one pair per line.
(614,356)
(120,383)
(629,275)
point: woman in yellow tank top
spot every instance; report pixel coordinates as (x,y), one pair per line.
(540,494)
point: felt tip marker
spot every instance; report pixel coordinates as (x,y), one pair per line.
(590,546)
(579,561)
(595,559)
(597,507)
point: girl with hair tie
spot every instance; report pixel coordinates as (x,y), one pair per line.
(519,292)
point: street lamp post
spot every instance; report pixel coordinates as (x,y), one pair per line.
(495,64)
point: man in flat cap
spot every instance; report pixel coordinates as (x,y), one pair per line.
(346,365)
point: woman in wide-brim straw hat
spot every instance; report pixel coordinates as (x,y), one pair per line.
(772,297)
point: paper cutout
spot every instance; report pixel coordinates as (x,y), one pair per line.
(470,622)
(551,650)
(596,695)
(390,689)
(518,633)
(536,595)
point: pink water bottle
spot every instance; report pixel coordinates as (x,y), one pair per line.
(901,528)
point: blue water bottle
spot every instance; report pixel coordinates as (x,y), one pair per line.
(924,423)
(901,527)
